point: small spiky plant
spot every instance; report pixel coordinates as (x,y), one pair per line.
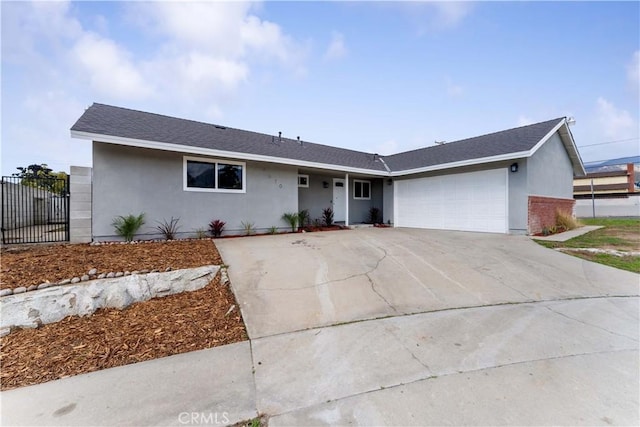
(216,226)
(169,229)
(127,226)
(327,216)
(292,218)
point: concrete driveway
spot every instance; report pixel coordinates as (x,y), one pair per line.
(435,328)
(385,327)
(294,282)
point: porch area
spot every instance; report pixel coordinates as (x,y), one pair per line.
(354,198)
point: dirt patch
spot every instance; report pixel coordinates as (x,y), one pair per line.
(143,331)
(632,239)
(32,265)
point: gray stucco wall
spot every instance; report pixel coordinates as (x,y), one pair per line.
(130,180)
(316,197)
(359,209)
(550,172)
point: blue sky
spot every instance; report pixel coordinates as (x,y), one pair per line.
(373,76)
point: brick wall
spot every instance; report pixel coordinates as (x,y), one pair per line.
(542,211)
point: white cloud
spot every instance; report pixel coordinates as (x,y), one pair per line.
(614,123)
(209,49)
(30,28)
(453,90)
(633,71)
(429,16)
(450,13)
(524,120)
(109,68)
(194,59)
(337,49)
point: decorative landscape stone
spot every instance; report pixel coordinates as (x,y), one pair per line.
(54,303)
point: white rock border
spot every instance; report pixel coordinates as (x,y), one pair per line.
(54,303)
(93,273)
(613,252)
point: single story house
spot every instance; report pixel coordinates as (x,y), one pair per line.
(510,181)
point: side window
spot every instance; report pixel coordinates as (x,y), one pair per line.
(202,174)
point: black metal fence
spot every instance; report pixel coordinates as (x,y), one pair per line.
(35,210)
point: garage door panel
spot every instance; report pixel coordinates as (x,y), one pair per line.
(474,201)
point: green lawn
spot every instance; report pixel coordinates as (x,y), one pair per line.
(618,234)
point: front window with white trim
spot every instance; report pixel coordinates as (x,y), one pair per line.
(361,189)
(203,174)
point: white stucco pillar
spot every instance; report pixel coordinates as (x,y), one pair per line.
(346,199)
(80,204)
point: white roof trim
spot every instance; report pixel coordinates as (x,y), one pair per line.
(572,151)
(569,145)
(546,138)
(131,142)
(470,162)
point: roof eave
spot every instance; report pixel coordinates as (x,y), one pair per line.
(165,146)
(470,162)
(567,139)
(569,144)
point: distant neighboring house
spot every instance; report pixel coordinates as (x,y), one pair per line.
(610,188)
(505,182)
(612,178)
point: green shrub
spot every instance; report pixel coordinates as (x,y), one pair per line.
(327,216)
(201,233)
(374,216)
(303,218)
(168,229)
(248,228)
(273,230)
(126,226)
(292,218)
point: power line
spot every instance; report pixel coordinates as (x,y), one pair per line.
(609,142)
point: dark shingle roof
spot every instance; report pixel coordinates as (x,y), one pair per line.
(121,122)
(493,144)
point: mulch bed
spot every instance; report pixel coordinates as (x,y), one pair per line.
(32,265)
(143,331)
(147,330)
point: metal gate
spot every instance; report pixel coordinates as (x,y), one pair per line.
(35,210)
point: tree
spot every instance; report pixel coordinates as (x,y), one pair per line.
(41,176)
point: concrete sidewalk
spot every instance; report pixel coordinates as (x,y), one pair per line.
(569,362)
(563,237)
(214,384)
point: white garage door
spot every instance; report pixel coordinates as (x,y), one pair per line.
(474,201)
